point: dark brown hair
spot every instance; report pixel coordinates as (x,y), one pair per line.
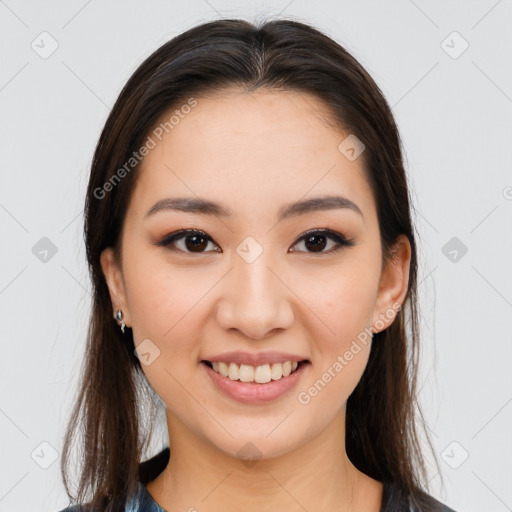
(115,406)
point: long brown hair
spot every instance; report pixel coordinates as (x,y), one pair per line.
(115,406)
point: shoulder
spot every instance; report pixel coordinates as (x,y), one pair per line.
(430,504)
(394,499)
(76,508)
(433,505)
(141,501)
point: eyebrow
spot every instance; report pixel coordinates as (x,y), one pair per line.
(205,207)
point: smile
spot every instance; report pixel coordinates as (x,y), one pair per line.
(248,373)
(254,384)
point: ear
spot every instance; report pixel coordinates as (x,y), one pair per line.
(393,285)
(115,283)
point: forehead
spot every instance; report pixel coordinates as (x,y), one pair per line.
(251,150)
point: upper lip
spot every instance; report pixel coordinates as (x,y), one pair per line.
(258,359)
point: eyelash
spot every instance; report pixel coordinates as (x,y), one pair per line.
(169,239)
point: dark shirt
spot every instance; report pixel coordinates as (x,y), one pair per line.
(393,500)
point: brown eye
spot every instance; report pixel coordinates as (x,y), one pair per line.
(316,241)
(196,241)
(192,240)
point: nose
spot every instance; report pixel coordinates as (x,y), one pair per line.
(256,300)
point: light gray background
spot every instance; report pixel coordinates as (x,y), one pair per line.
(454,115)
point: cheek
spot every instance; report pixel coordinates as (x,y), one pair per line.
(344,303)
(340,351)
(346,300)
(165,308)
(164,303)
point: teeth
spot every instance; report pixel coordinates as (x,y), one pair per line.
(234,371)
(277,371)
(246,372)
(223,369)
(260,374)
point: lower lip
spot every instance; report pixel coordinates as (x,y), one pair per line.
(253,392)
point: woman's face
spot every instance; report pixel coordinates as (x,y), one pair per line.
(252,282)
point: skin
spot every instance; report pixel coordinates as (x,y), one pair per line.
(255,152)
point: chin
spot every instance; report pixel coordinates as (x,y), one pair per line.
(249,445)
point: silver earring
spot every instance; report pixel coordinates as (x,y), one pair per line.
(119,317)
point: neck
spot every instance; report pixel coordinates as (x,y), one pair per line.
(317,476)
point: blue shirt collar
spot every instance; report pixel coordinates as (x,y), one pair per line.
(142,501)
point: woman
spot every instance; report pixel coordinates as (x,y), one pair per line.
(248,227)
